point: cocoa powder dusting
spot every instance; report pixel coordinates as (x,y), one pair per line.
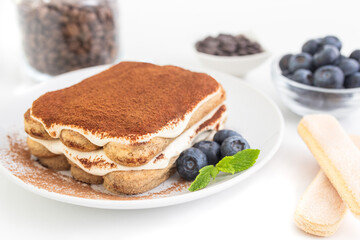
(90,162)
(129,100)
(158,158)
(17,159)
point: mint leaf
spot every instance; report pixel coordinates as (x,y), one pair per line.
(203,179)
(239,162)
(214,172)
(245,159)
(225,165)
(230,164)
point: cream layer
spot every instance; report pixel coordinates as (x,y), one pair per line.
(97,163)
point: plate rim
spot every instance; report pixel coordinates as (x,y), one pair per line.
(158,202)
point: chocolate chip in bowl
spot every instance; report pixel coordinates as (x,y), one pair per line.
(228,45)
(234,54)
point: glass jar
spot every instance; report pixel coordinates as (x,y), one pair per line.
(64,35)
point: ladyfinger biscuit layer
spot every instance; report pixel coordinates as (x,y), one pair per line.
(135,180)
(97,163)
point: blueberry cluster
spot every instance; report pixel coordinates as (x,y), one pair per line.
(322,65)
(225,143)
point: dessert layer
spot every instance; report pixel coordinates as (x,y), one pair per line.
(124,154)
(130,102)
(97,163)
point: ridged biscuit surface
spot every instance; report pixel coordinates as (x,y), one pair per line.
(336,154)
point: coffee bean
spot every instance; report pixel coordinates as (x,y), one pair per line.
(62,35)
(228,45)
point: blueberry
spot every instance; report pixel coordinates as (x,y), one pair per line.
(221,135)
(286,73)
(355,55)
(332,40)
(284,62)
(352,81)
(337,62)
(211,150)
(349,66)
(233,145)
(303,76)
(329,77)
(300,61)
(190,162)
(311,46)
(310,99)
(326,56)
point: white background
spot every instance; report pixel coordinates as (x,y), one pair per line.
(164,31)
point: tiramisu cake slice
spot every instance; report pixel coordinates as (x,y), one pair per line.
(126,126)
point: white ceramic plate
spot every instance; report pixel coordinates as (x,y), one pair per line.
(250,112)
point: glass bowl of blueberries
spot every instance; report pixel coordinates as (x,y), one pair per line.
(319,79)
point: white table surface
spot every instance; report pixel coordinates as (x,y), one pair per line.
(261,207)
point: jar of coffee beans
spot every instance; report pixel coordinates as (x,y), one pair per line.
(64,35)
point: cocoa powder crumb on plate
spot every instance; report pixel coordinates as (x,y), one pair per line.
(17,159)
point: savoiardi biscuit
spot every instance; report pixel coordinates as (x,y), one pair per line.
(337,155)
(321,209)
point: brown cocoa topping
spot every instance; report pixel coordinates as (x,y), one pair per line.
(129,100)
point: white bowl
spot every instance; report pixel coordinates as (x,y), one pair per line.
(235,65)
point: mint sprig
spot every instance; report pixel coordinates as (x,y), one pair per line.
(203,178)
(239,162)
(230,164)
